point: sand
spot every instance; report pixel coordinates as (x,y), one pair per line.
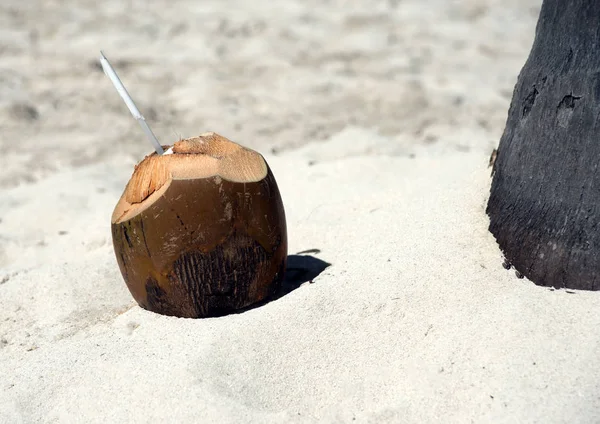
(415,320)
(377,123)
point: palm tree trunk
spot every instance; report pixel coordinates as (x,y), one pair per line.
(544,204)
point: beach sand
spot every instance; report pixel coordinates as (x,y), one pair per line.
(378,123)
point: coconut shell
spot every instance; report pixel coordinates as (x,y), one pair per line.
(201,232)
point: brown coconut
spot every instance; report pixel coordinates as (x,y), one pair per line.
(201,232)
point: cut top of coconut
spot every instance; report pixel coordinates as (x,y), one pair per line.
(205,156)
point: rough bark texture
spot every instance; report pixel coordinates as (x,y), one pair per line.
(206,247)
(544,205)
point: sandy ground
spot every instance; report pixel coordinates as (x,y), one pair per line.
(377,119)
(271,75)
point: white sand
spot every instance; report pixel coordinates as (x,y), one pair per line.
(268,74)
(383,116)
(416,320)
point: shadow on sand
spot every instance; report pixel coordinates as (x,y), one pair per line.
(301,268)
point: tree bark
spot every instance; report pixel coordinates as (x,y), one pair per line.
(544,204)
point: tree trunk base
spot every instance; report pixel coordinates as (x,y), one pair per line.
(544,204)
